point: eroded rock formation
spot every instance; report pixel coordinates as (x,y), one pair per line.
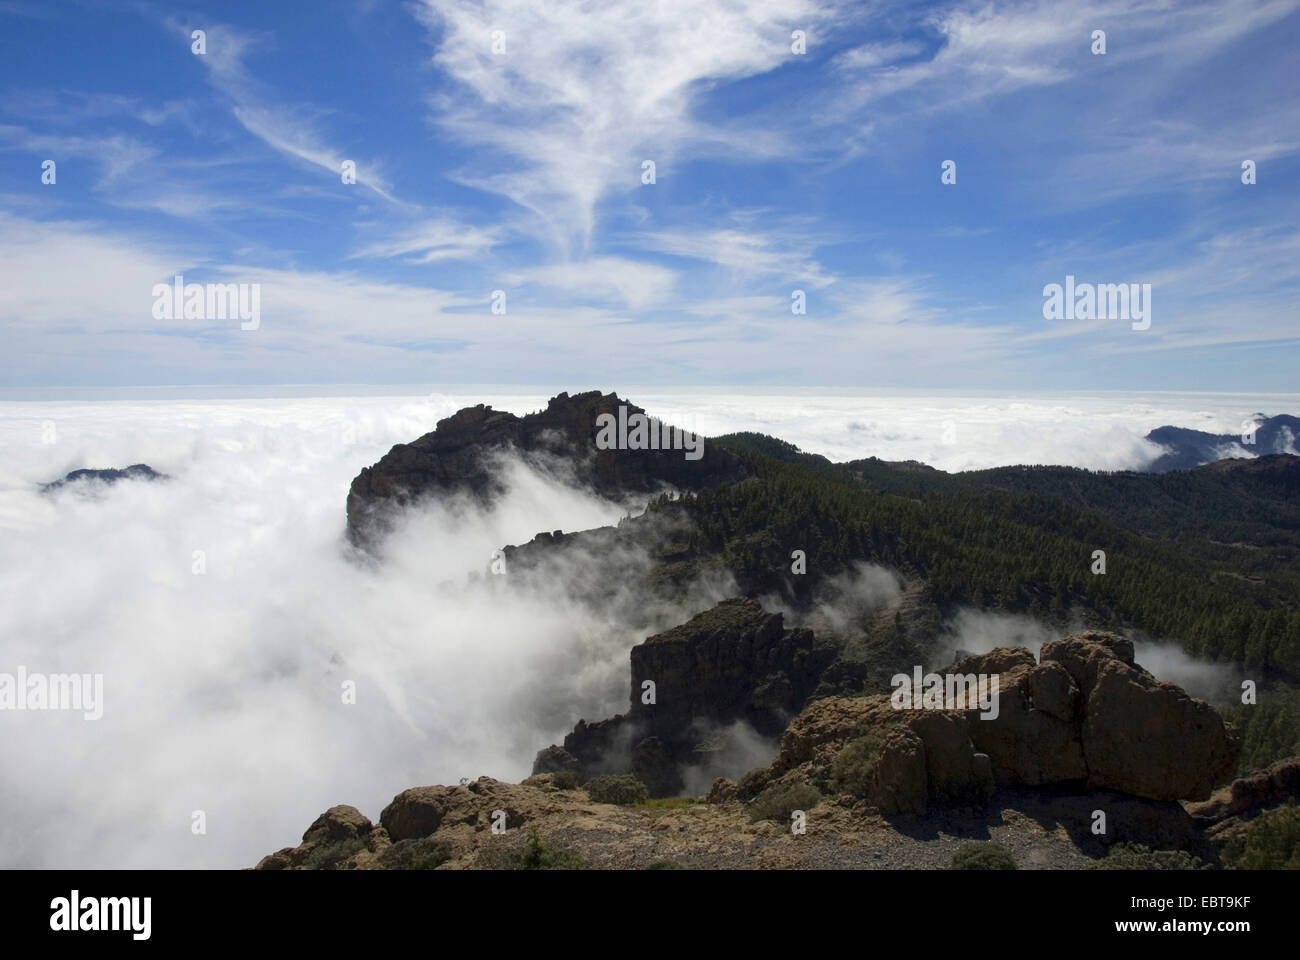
(1085,715)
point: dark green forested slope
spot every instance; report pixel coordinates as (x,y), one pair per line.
(1205,557)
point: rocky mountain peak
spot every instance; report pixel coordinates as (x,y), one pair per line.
(463,455)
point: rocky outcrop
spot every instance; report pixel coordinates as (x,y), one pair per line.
(1246,797)
(1086,716)
(413,826)
(418,812)
(735,662)
(915,757)
(1140,735)
(1230,817)
(342,828)
(339,823)
(458,458)
(1028,745)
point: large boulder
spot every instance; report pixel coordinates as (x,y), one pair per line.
(337,824)
(417,812)
(1139,735)
(901,782)
(1027,743)
(340,838)
(950,766)
(1086,716)
(1053,691)
(421,811)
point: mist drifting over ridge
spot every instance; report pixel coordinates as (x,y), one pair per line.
(222,688)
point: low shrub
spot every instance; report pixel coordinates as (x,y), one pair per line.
(621,788)
(1272,842)
(1138,856)
(983,855)
(854,768)
(426,853)
(328,856)
(532,854)
(778,801)
(565,780)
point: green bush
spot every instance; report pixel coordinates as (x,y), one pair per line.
(426,853)
(565,780)
(1272,842)
(496,855)
(665,865)
(1138,856)
(328,856)
(854,768)
(538,856)
(533,854)
(779,800)
(983,855)
(622,788)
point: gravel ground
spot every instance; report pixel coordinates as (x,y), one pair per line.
(720,837)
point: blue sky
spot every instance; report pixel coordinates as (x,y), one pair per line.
(775,171)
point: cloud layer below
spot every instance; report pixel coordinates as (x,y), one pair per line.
(223,689)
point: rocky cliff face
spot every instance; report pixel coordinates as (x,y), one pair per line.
(735,662)
(458,457)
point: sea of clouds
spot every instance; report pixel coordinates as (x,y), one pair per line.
(223,688)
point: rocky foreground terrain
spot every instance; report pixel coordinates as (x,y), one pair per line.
(1041,829)
(1084,739)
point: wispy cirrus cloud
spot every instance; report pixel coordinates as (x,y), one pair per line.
(635,284)
(286,128)
(776,172)
(433,240)
(581,95)
(745,250)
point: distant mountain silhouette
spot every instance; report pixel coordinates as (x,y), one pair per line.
(137,471)
(1186,449)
